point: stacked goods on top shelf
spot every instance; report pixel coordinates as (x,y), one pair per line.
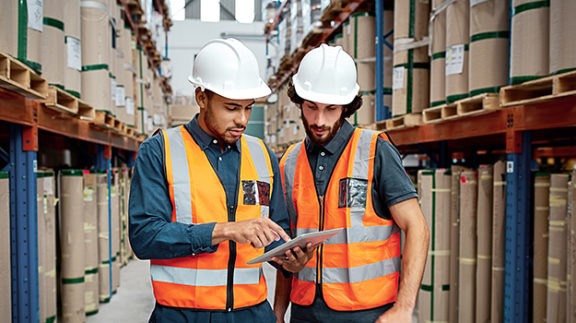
(73,47)
(411,62)
(562,40)
(457,54)
(438,53)
(5,264)
(9,22)
(530,40)
(359,35)
(96,54)
(32,38)
(489,37)
(125,72)
(52,42)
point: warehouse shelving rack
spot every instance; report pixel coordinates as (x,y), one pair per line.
(26,126)
(523,132)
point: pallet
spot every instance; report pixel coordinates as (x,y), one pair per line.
(439,113)
(405,121)
(104,119)
(17,77)
(61,101)
(478,104)
(539,90)
(86,111)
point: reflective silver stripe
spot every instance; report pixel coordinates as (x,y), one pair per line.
(182,181)
(360,171)
(259,160)
(357,234)
(204,278)
(289,172)
(354,274)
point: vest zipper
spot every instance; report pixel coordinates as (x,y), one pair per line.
(321,247)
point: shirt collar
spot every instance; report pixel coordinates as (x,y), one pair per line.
(339,141)
(203,139)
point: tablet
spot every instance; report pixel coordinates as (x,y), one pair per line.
(301,241)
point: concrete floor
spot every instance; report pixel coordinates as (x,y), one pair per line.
(134,300)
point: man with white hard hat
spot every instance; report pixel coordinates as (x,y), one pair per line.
(206,198)
(340,176)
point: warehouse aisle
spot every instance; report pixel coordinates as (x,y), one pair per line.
(134,301)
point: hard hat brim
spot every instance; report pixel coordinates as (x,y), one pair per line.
(325,98)
(244,94)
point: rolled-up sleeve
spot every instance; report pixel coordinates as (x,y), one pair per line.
(152,233)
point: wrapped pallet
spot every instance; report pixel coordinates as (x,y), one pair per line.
(31,40)
(541,238)
(5,264)
(562,40)
(498,242)
(435,194)
(91,293)
(8,27)
(73,50)
(468,246)
(72,250)
(529,47)
(571,270)
(556,296)
(456,171)
(489,37)
(438,53)
(96,60)
(457,42)
(411,84)
(52,42)
(46,245)
(104,287)
(484,242)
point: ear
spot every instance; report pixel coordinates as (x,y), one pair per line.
(201,98)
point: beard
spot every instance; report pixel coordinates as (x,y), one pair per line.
(330,131)
(212,122)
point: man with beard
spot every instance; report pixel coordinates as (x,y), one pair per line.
(206,198)
(345,177)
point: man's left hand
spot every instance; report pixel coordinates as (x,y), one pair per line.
(396,315)
(295,259)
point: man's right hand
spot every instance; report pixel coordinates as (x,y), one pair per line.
(259,232)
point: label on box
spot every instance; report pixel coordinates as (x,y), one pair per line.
(129,106)
(35,15)
(120,96)
(113,90)
(398,77)
(88,194)
(48,184)
(455,59)
(74,51)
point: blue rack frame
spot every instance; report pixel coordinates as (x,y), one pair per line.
(517,271)
(23,229)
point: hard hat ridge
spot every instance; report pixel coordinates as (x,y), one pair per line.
(228,68)
(327,74)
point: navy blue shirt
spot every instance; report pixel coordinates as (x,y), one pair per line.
(391,185)
(154,236)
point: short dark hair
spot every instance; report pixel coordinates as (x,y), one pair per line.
(349,108)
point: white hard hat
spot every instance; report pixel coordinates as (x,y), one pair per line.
(327,74)
(228,68)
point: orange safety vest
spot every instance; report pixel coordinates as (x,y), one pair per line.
(203,281)
(359,268)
